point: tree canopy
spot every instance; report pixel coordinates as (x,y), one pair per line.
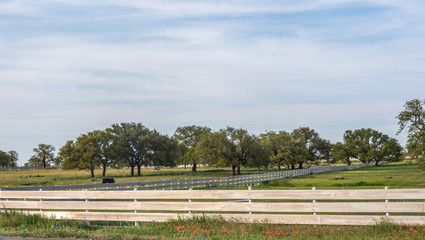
(412,118)
(134,145)
(8,159)
(369,145)
(44,156)
(189,137)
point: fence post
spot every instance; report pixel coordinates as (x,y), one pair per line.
(87,210)
(314,202)
(41,199)
(135,211)
(250,200)
(386,202)
(190,200)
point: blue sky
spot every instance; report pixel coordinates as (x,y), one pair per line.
(69,67)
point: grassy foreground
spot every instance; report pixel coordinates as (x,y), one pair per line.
(15,224)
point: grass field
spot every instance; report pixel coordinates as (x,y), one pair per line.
(394,175)
(14,224)
(52,177)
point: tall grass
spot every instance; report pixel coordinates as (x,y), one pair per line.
(14,224)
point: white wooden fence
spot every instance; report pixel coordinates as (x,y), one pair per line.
(198,183)
(328,207)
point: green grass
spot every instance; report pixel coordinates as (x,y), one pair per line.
(52,177)
(15,224)
(393,175)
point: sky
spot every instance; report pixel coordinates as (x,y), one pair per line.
(68,67)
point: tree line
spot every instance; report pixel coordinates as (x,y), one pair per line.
(133,145)
(8,159)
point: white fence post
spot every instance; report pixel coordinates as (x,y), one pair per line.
(250,200)
(386,202)
(41,199)
(314,201)
(87,210)
(190,200)
(136,211)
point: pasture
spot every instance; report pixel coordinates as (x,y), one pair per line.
(52,177)
(393,175)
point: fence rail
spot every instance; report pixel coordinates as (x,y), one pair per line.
(193,183)
(334,207)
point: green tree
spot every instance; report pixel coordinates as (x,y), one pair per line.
(311,140)
(87,147)
(323,149)
(412,118)
(286,148)
(8,159)
(70,157)
(84,154)
(369,145)
(13,158)
(138,146)
(189,137)
(260,155)
(228,147)
(4,159)
(130,143)
(245,146)
(277,144)
(43,157)
(340,152)
(163,150)
(296,152)
(104,143)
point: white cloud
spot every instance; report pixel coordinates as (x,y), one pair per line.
(18,8)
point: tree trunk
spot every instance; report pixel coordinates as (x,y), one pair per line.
(376,163)
(348,161)
(132,170)
(138,170)
(278,166)
(300,165)
(92,172)
(239,169)
(233,170)
(194,167)
(104,170)
(292,166)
